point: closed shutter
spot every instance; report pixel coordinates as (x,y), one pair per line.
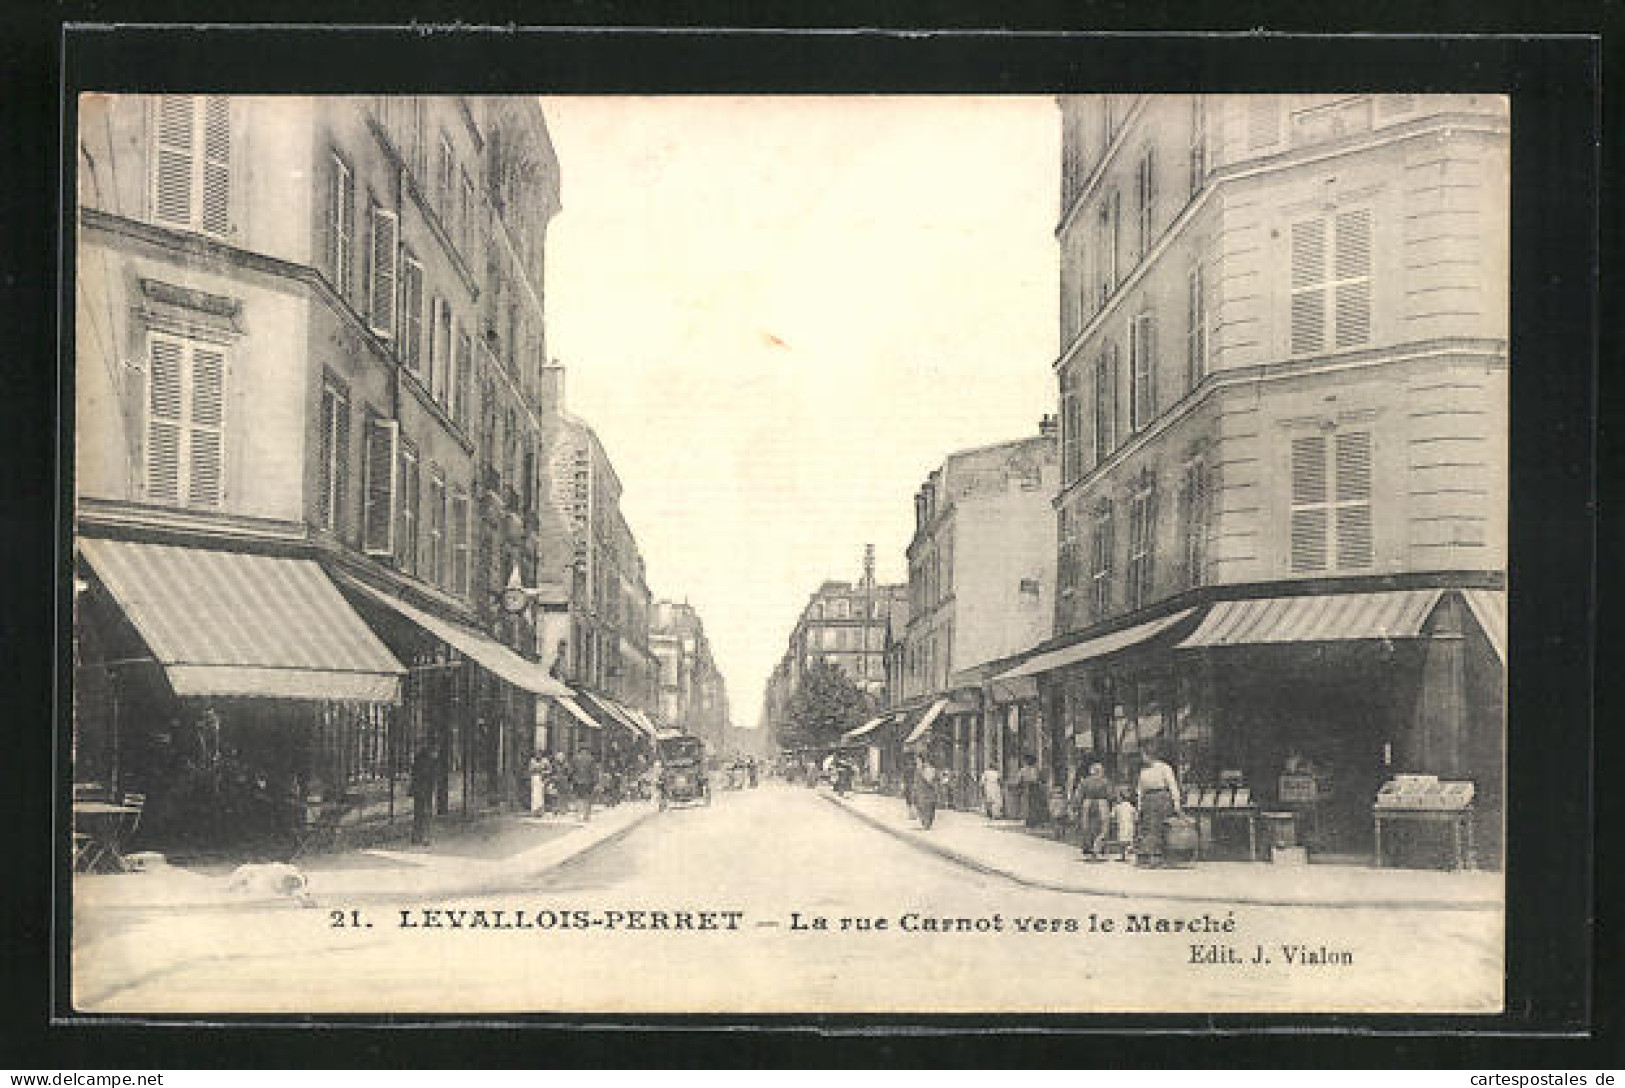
(341,226)
(1198,144)
(1263,122)
(1196,329)
(324,466)
(1148,200)
(406,498)
(1148,546)
(1353,452)
(1308,286)
(1309,509)
(411,313)
(1143,371)
(385,254)
(175,152)
(217,165)
(341,470)
(206,441)
(378,494)
(459,537)
(465,364)
(164,420)
(1353,272)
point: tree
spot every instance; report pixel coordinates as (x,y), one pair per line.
(823,706)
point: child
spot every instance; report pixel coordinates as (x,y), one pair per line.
(1123,819)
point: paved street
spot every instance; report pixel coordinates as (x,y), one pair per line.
(723,893)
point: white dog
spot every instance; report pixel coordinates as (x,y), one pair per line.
(274,878)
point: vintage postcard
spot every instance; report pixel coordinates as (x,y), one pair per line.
(808,555)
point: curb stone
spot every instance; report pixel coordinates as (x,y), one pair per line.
(922,842)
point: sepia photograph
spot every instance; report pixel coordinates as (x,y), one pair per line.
(789,554)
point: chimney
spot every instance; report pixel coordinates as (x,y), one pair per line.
(550,388)
(1049,427)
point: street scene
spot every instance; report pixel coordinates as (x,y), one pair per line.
(992,554)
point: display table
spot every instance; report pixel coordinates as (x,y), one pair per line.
(103,828)
(1209,806)
(1423,799)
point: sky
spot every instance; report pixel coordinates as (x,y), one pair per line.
(780,314)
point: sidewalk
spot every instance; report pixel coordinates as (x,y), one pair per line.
(1007,849)
(495,855)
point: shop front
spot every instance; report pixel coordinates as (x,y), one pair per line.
(218,693)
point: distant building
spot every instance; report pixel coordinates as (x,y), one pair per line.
(981,587)
(693,696)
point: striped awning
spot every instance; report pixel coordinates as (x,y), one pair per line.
(644,720)
(573,708)
(1337,617)
(927,720)
(1095,647)
(491,654)
(233,624)
(867,727)
(612,712)
(1489,608)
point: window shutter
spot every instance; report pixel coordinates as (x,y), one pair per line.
(406,497)
(1196,329)
(324,466)
(378,499)
(164,410)
(465,363)
(1309,503)
(174,152)
(217,164)
(459,536)
(1148,545)
(1353,452)
(1198,146)
(1308,286)
(1353,271)
(411,313)
(1263,122)
(341,469)
(385,254)
(206,452)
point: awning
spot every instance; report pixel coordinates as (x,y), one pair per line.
(573,708)
(232,624)
(928,719)
(613,711)
(490,653)
(1018,690)
(644,720)
(1095,647)
(1338,617)
(867,727)
(1489,608)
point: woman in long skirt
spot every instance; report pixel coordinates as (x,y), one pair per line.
(1158,800)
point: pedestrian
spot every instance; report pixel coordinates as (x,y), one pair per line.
(1092,796)
(925,791)
(1032,789)
(425,766)
(993,792)
(1158,792)
(584,777)
(539,770)
(1123,820)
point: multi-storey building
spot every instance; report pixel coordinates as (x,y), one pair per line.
(1282,389)
(309,344)
(981,582)
(693,695)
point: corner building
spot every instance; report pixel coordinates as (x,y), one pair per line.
(1282,391)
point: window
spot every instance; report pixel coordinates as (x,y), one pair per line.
(459,542)
(341,226)
(1331,281)
(1142,355)
(384,228)
(378,489)
(191,162)
(447,176)
(436,572)
(1263,121)
(1108,128)
(1146,191)
(1198,146)
(460,384)
(1100,571)
(1195,327)
(841,609)
(411,312)
(465,211)
(440,360)
(333,471)
(1105,403)
(1071,426)
(1331,502)
(1142,530)
(1065,575)
(186,422)
(1111,213)
(1195,513)
(406,535)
